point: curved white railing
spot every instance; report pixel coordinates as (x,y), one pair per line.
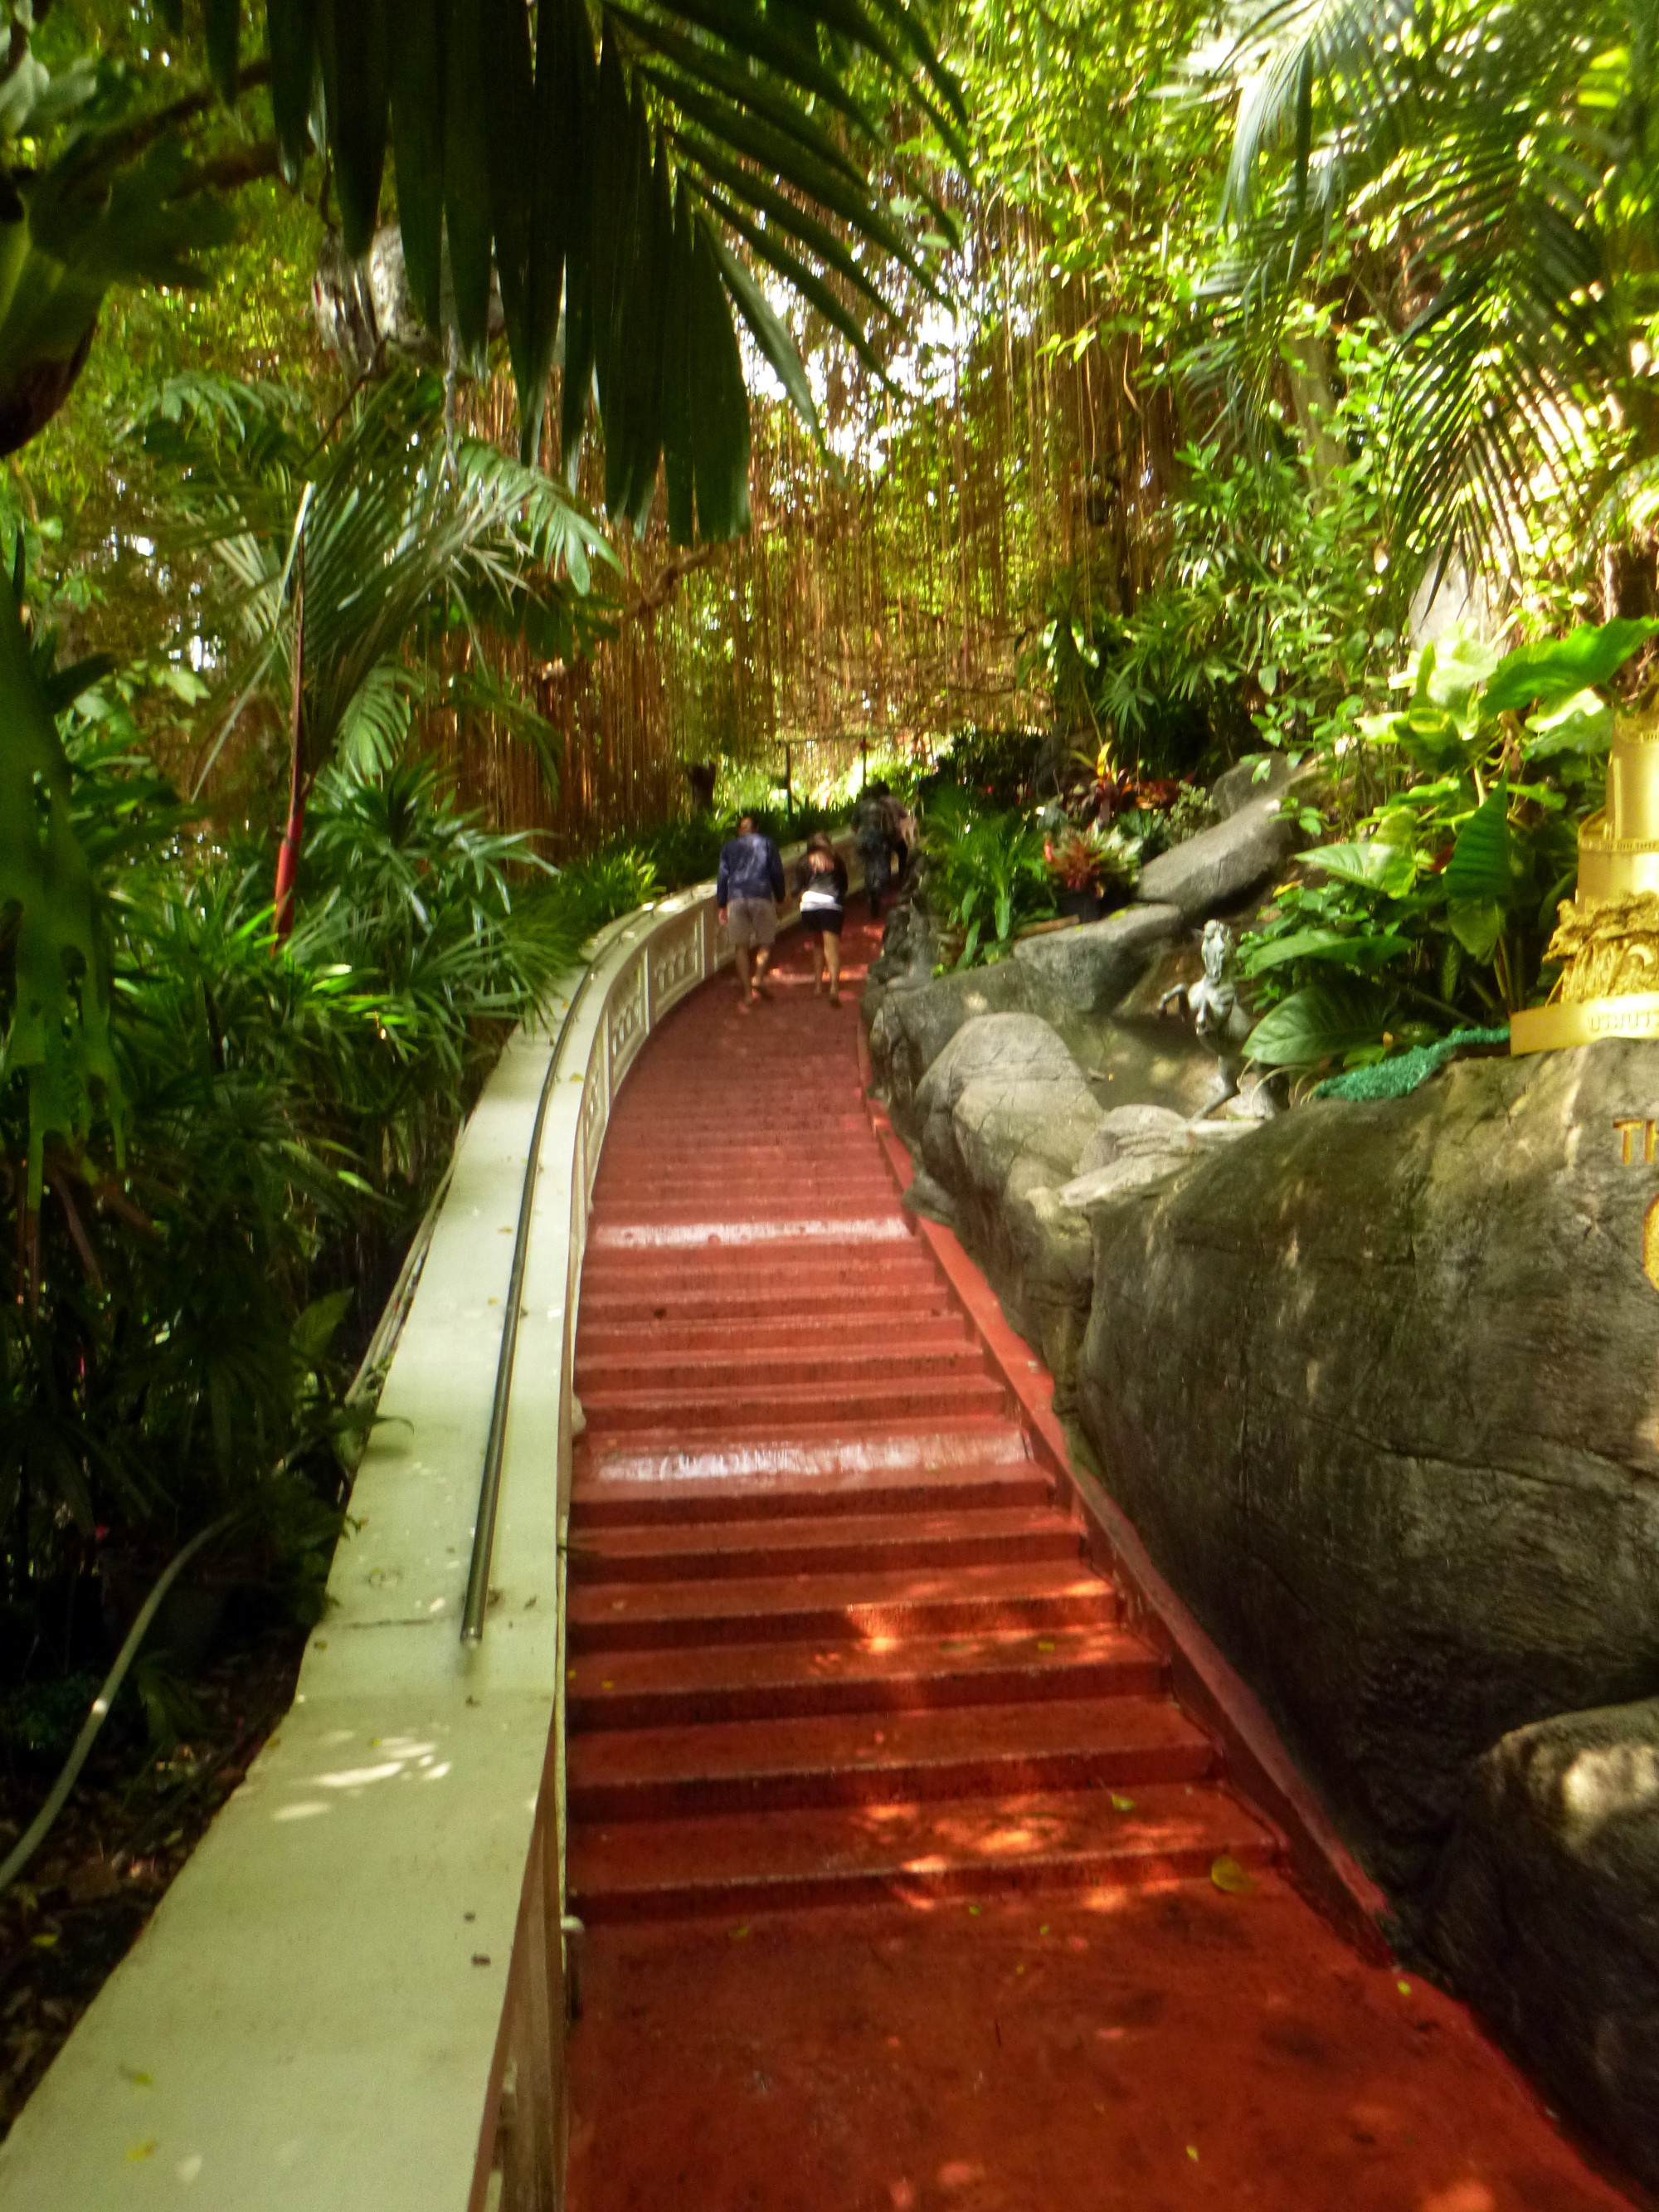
(355,1991)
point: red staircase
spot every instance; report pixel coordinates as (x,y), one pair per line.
(908,1884)
(830,1635)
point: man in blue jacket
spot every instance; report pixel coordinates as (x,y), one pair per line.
(749,892)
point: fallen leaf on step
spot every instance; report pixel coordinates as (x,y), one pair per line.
(738,1934)
(1227,1875)
(1123,1804)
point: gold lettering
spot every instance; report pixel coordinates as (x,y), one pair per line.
(1625,1130)
(1650,1244)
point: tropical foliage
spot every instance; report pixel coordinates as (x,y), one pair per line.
(1437,911)
(599,190)
(179,1325)
(1484,178)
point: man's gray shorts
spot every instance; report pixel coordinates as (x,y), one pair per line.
(750,922)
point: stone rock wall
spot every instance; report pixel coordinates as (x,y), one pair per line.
(1006,1118)
(1547,1913)
(1379,1387)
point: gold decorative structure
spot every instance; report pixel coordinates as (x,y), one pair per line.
(1608,935)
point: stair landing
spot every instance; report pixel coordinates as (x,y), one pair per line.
(908,1884)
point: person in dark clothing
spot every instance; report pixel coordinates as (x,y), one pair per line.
(869,834)
(823,909)
(748,892)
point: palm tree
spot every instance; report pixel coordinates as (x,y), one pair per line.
(608,183)
(338,547)
(1488,173)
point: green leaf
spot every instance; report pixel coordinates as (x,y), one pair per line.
(511,167)
(679,461)
(766,246)
(314,1329)
(738,84)
(291,30)
(1481,865)
(1389,870)
(1343,948)
(222,21)
(351,37)
(1544,675)
(1320,1023)
(762,37)
(719,403)
(469,125)
(557,128)
(1580,724)
(418,143)
(580,111)
(1432,735)
(770,335)
(1451,669)
(1477,925)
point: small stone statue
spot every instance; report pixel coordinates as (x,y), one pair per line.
(1221,1018)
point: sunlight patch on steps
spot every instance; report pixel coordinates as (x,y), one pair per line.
(850,1456)
(638,1236)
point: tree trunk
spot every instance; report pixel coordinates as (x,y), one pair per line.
(299,776)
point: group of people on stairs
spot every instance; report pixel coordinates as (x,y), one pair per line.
(751,888)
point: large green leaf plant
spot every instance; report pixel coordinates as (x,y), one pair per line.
(1436,913)
(985,877)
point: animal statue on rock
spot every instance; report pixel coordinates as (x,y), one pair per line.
(1220,1016)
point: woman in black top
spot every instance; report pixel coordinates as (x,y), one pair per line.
(822,904)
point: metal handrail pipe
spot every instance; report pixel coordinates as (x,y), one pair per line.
(489,1484)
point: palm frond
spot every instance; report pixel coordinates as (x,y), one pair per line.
(1499,153)
(516,139)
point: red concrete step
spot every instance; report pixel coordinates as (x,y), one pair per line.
(829,1168)
(883,1759)
(836,1608)
(872,1299)
(741,1197)
(885,1543)
(766,1363)
(769,1408)
(736,1864)
(739,1202)
(604,1501)
(849,1331)
(774,1681)
(841,1277)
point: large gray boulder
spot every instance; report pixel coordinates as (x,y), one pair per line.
(1249,779)
(1005,1116)
(1220,866)
(1379,1385)
(1546,1914)
(910,1023)
(1093,968)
